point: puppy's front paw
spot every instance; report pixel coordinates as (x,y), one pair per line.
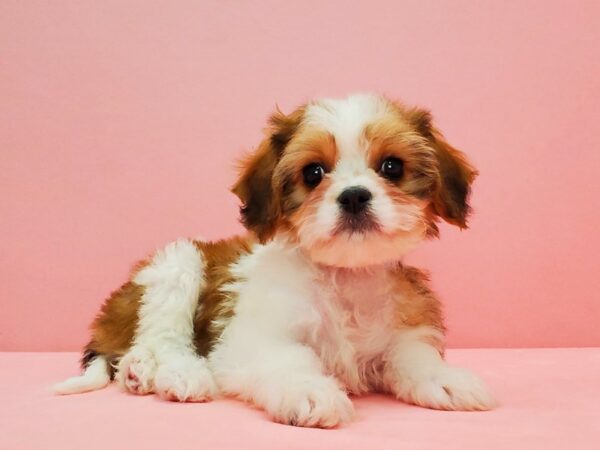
(309,402)
(185,379)
(445,387)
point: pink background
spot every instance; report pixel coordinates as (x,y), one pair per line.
(120,122)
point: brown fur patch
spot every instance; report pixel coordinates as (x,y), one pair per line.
(114,327)
(308,146)
(418,305)
(216,306)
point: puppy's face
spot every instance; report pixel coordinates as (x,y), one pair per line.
(354,182)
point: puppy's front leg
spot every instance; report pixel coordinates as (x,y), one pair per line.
(282,377)
(417,373)
(260,356)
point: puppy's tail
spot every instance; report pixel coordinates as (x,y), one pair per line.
(96,375)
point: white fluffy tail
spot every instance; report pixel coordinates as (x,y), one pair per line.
(95,376)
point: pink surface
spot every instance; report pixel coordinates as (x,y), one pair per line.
(120,122)
(549,401)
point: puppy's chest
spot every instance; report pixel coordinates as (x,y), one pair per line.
(354,326)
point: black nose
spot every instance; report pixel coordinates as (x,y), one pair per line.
(355,199)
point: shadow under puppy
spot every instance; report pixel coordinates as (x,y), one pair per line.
(314,303)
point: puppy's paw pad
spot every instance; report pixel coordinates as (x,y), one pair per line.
(136,371)
(314,402)
(185,380)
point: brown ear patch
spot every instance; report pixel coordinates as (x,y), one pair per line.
(261,200)
(259,210)
(283,127)
(451,196)
(421,120)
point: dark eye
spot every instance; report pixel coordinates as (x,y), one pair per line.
(313,174)
(392,168)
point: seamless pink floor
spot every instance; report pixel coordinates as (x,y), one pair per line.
(550,400)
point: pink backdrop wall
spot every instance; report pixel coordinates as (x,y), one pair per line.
(120,122)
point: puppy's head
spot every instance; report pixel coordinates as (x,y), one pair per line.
(355,182)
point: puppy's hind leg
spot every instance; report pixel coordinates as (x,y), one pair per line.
(163,358)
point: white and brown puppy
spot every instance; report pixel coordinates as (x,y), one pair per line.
(315,303)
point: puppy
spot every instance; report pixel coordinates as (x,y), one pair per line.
(315,302)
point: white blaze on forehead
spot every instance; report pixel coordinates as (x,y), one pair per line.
(346,120)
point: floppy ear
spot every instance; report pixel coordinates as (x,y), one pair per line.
(451,191)
(261,199)
(451,198)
